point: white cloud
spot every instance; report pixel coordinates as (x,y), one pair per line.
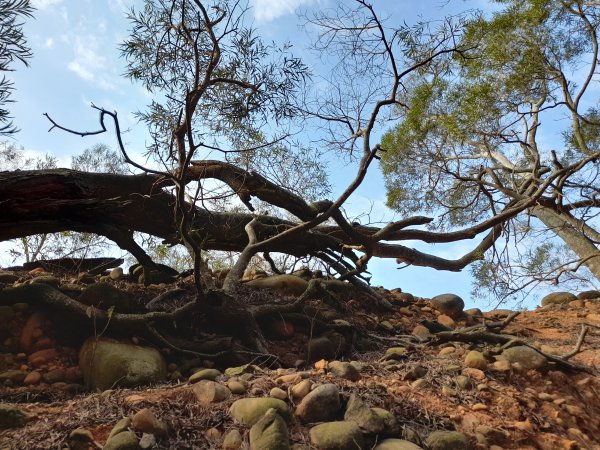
(267,10)
(49,42)
(118,5)
(81,71)
(88,64)
(43,4)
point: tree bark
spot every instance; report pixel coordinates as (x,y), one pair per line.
(574,238)
(113,205)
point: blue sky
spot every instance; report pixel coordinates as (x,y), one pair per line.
(76,63)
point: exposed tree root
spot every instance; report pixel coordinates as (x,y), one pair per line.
(480,333)
(221,309)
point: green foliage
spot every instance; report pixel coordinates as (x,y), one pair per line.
(239,87)
(100,158)
(302,172)
(13,47)
(469,129)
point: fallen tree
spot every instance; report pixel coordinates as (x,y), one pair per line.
(115,206)
(220,88)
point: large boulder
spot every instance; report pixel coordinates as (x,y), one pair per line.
(450,304)
(558,298)
(107,363)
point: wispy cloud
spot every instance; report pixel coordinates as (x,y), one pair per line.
(89,64)
(80,70)
(267,10)
(43,4)
(120,5)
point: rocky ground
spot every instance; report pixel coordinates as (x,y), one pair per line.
(425,374)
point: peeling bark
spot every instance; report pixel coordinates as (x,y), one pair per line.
(574,238)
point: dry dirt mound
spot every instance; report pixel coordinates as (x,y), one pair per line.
(426,370)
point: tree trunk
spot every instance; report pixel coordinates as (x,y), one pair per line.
(574,238)
(113,205)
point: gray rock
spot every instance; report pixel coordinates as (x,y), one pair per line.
(476,360)
(588,295)
(12,417)
(145,421)
(447,440)
(492,436)
(527,357)
(249,410)
(233,440)
(278,393)
(473,312)
(204,374)
(301,389)
(122,425)
(463,382)
(450,304)
(344,370)
(390,424)
(269,433)
(104,296)
(147,441)
(284,284)
(403,297)
(126,440)
(337,436)
(116,273)
(359,412)
(207,391)
(411,435)
(558,298)
(452,368)
(107,363)
(14,376)
(46,279)
(395,354)
(239,370)
(81,439)
(321,348)
(397,444)
(8,278)
(237,387)
(414,373)
(320,405)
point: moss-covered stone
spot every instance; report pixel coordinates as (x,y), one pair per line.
(106,363)
(249,410)
(269,433)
